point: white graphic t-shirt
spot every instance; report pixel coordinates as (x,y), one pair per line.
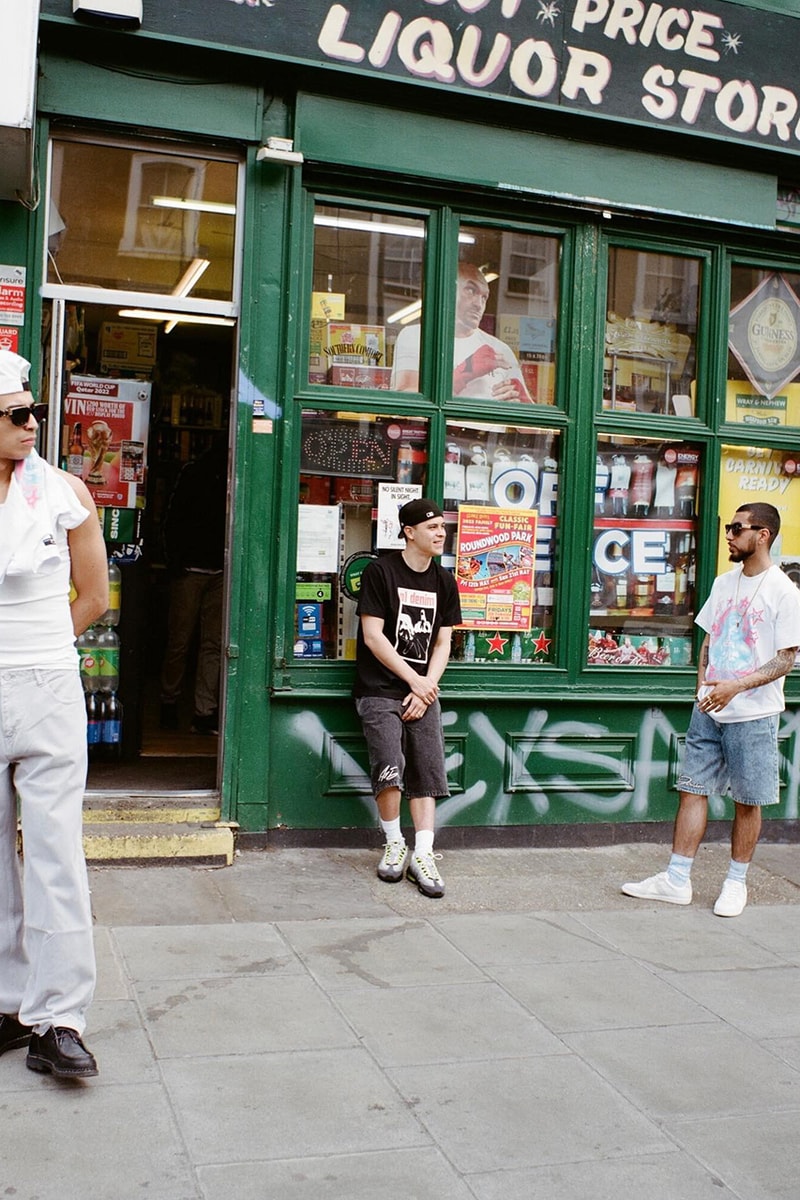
(748,620)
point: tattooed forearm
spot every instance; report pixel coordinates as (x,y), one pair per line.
(781,664)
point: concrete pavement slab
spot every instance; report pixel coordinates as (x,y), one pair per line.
(689,1070)
(388,953)
(419,1174)
(429,1025)
(620,994)
(254,1107)
(757,1156)
(86,1141)
(497,938)
(668,1176)
(221,1015)
(680,939)
(501,1116)
(763,1004)
(199,951)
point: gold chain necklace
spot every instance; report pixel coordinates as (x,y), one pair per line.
(741,615)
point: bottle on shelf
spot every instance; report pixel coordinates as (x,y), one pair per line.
(112,613)
(602,478)
(516,648)
(111,727)
(94,717)
(75,452)
(469,647)
(641,489)
(86,646)
(108,659)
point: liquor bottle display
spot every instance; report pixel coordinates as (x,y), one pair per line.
(642,594)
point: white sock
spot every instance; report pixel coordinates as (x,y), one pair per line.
(738,870)
(423,843)
(392,831)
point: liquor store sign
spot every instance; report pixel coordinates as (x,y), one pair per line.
(722,69)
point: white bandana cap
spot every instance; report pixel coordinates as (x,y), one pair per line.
(14,371)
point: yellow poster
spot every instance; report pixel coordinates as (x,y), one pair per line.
(752,475)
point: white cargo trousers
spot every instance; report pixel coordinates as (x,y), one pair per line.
(47,963)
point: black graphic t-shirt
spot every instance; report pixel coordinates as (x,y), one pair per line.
(414,606)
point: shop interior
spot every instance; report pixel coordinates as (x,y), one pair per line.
(171,382)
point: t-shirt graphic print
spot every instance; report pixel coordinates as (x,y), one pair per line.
(416,615)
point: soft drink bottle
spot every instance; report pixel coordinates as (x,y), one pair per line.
(86,646)
(111,615)
(112,727)
(108,657)
(94,706)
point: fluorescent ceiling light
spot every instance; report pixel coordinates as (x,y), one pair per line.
(150,314)
(412,231)
(196,268)
(211,206)
(405,314)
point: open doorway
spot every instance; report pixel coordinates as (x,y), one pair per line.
(145,421)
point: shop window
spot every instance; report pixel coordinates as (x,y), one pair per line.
(134,221)
(649,362)
(501,510)
(506,310)
(758,475)
(644,549)
(367,286)
(356,472)
(763,348)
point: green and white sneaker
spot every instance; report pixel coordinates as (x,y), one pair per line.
(392,866)
(422,871)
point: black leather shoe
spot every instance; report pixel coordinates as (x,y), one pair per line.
(13,1036)
(60,1052)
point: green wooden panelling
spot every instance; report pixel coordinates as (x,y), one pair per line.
(192,106)
(509,763)
(329,130)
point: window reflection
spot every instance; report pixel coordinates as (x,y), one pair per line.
(150,221)
(367,284)
(649,363)
(356,472)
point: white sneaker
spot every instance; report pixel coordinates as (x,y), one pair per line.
(732,899)
(422,871)
(660,887)
(392,866)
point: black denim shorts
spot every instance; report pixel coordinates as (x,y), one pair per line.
(408,755)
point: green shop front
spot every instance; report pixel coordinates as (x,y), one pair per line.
(299,234)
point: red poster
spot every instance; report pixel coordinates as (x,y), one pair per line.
(495,558)
(9,338)
(108,421)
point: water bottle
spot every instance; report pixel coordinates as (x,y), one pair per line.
(108,659)
(111,615)
(86,646)
(94,712)
(111,731)
(516,648)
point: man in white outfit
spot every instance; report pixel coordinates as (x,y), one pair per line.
(483,366)
(49,534)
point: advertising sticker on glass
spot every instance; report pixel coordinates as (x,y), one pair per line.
(495,562)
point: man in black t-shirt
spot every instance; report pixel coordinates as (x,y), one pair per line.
(407,607)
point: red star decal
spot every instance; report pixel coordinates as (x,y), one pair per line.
(496,644)
(541,643)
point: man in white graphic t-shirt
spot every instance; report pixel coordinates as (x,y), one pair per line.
(483,366)
(752,625)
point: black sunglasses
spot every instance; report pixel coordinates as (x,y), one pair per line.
(736,528)
(20,415)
